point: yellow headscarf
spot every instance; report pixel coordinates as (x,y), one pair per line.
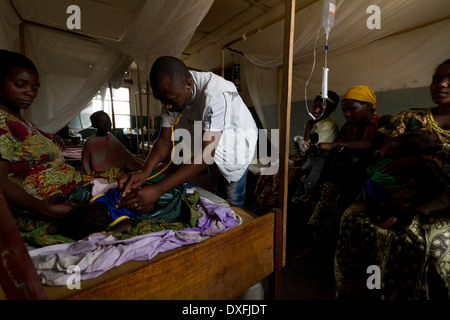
(362,93)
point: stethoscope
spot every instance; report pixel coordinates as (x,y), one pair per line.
(173,124)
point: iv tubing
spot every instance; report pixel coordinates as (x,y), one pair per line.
(310,75)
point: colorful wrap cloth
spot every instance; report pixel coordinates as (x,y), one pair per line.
(381,186)
(36,164)
(98,254)
(167,208)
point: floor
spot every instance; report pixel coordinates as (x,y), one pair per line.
(305,276)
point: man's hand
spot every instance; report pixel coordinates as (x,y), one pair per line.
(132,182)
(141,198)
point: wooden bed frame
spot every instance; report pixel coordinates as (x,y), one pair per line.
(221,267)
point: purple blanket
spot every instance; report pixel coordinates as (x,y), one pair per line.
(90,257)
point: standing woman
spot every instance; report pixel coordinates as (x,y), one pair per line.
(33,173)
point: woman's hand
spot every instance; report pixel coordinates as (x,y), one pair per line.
(132,182)
(141,198)
(327,145)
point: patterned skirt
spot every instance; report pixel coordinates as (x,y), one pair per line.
(413,257)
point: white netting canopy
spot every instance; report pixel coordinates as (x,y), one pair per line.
(73,68)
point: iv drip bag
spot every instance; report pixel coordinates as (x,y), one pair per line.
(328,14)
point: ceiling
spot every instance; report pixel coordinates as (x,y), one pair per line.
(107,19)
(234,20)
(250,26)
(257,26)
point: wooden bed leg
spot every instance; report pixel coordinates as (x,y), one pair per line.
(275,278)
(18,276)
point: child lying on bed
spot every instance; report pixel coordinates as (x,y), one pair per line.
(97,215)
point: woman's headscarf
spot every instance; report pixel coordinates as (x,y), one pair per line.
(363,94)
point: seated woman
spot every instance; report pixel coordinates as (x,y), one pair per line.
(413,254)
(102,150)
(323,124)
(33,173)
(266,190)
(322,205)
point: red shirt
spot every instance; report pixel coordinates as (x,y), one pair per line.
(348,131)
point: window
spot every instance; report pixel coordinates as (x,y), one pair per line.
(102,101)
(121,101)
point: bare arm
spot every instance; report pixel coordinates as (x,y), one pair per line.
(359,145)
(161,149)
(149,194)
(19,198)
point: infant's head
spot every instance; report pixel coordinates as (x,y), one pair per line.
(86,218)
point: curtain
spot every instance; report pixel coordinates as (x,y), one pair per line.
(74,68)
(161,28)
(71,71)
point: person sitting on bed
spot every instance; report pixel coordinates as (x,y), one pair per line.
(102,150)
(33,174)
(98,215)
(228,130)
